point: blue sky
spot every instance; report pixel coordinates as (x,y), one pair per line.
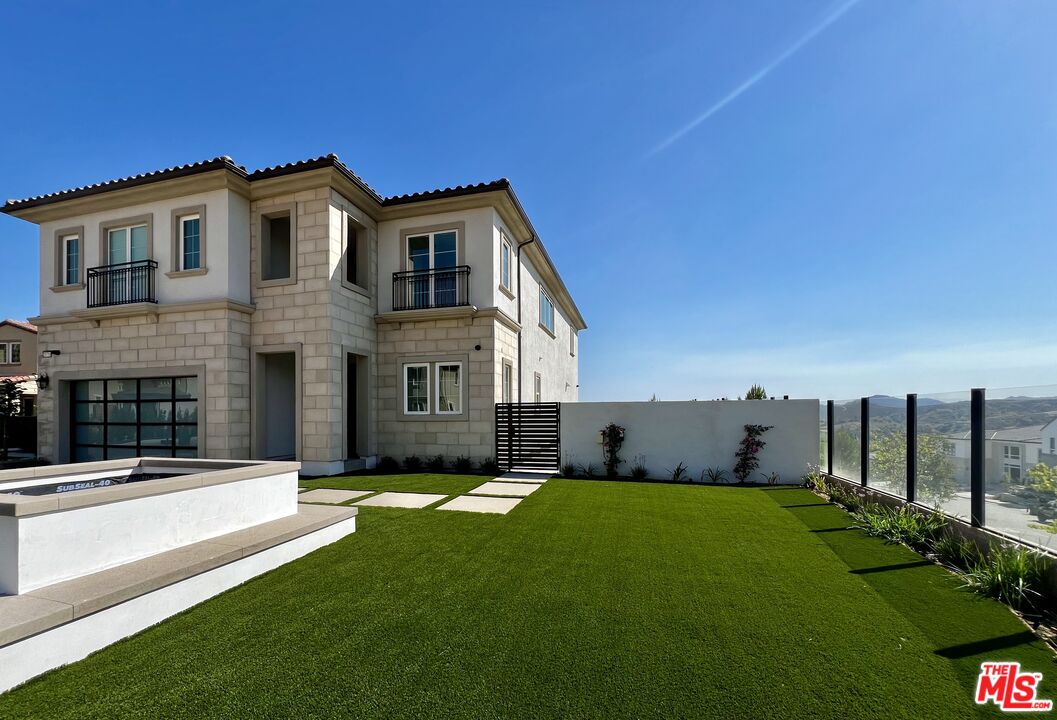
(830,198)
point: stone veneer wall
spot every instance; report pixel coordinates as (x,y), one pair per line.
(215,338)
(472,436)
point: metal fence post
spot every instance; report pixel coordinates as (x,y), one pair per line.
(829,437)
(977,449)
(864,441)
(912,446)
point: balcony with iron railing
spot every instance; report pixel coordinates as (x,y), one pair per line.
(122,284)
(433,288)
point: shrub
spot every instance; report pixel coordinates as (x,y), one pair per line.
(902,525)
(639,472)
(814,481)
(678,473)
(387,465)
(772,478)
(713,475)
(756,392)
(462,464)
(749,450)
(412,463)
(612,439)
(436,463)
(589,470)
(489,466)
(955,551)
(568,470)
(1011,574)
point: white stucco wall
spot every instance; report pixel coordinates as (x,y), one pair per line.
(542,353)
(227,250)
(478,252)
(699,434)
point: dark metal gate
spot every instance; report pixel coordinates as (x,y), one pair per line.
(528,436)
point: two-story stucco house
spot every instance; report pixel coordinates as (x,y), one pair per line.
(18,360)
(291,312)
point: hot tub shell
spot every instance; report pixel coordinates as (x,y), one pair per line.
(45,539)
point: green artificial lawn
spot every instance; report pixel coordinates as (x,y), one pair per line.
(590,599)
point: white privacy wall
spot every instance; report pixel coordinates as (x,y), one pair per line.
(699,434)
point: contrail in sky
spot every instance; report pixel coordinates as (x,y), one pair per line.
(759,75)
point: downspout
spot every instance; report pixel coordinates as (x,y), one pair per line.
(519,373)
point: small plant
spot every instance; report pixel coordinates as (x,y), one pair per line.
(639,472)
(902,525)
(956,552)
(462,464)
(589,470)
(772,478)
(569,470)
(749,450)
(714,475)
(1011,574)
(814,481)
(756,392)
(489,466)
(412,463)
(436,463)
(612,439)
(387,465)
(678,473)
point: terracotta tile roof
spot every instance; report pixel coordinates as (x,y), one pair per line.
(500,184)
(130,181)
(19,324)
(18,378)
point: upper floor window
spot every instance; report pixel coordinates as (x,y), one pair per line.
(1053,444)
(278,248)
(356,253)
(71,259)
(432,251)
(572,342)
(189,240)
(10,353)
(546,311)
(1011,452)
(506,257)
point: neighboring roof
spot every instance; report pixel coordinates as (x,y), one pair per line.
(19,324)
(18,378)
(1024,434)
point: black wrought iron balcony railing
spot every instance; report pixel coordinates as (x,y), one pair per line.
(435,288)
(122,284)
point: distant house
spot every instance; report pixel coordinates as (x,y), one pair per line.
(1008,452)
(1048,453)
(18,360)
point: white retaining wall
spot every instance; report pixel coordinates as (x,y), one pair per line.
(699,433)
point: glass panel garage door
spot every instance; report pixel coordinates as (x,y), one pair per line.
(135,417)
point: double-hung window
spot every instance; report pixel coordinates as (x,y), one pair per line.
(537,388)
(449,388)
(191,242)
(546,311)
(1011,452)
(15,353)
(71,259)
(508,382)
(416,389)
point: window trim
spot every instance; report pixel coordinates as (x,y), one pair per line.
(507,374)
(506,248)
(572,341)
(449,363)
(177,217)
(107,226)
(271,212)
(433,361)
(61,235)
(405,367)
(550,301)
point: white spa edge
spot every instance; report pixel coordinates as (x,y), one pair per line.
(23,660)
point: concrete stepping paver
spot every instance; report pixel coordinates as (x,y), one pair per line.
(401,500)
(479,504)
(525,477)
(331,497)
(505,489)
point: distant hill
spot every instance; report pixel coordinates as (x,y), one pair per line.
(888,414)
